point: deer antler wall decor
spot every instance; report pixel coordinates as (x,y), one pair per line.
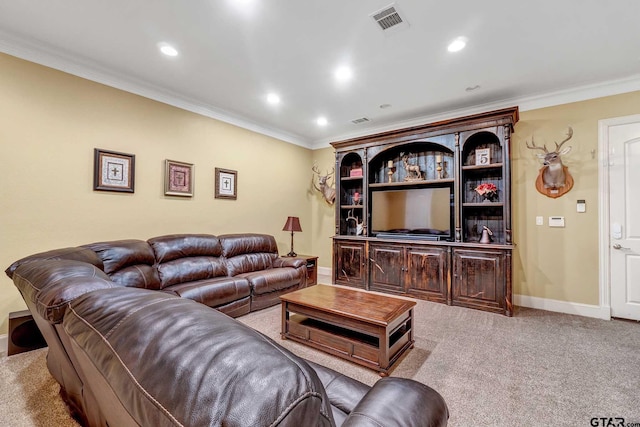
(328,192)
(554,179)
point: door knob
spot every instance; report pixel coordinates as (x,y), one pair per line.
(618,246)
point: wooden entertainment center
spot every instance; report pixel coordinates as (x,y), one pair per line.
(401,177)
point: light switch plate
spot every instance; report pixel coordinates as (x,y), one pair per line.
(556,221)
(581,206)
(539,220)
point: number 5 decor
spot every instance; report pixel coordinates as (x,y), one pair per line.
(226,184)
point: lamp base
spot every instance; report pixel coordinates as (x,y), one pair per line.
(292,254)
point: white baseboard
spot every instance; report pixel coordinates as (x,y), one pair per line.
(587,310)
(4,344)
(579,309)
(325,271)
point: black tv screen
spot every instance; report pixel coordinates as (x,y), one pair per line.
(415,212)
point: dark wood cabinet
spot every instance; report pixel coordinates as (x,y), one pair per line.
(411,211)
(312,268)
(427,275)
(387,265)
(479,279)
(414,270)
(349,263)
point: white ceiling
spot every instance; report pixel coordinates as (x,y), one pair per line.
(233,52)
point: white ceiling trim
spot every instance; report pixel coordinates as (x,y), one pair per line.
(550,99)
(52,58)
(35,52)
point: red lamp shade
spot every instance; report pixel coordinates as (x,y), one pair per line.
(292,224)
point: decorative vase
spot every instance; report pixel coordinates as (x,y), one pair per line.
(489,197)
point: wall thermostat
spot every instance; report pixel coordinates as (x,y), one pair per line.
(556,221)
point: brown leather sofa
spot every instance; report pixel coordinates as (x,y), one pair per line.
(125,355)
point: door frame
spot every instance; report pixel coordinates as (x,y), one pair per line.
(603,207)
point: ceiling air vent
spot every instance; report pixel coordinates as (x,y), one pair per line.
(389,18)
(360,120)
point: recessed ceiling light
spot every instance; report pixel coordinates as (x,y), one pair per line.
(457,45)
(168,49)
(322,121)
(273,99)
(343,73)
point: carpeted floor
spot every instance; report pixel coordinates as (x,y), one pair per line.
(537,368)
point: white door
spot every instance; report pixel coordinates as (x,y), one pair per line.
(624,216)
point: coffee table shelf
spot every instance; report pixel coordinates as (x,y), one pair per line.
(368,329)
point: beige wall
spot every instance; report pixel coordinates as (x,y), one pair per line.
(324,225)
(50,122)
(561,263)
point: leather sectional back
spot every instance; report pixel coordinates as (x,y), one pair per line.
(187,257)
(248,252)
(128,262)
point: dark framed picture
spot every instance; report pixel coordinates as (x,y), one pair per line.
(113,171)
(226,184)
(178,178)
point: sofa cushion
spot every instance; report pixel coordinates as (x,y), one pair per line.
(51,284)
(128,262)
(190,269)
(272,280)
(175,246)
(248,252)
(219,373)
(213,292)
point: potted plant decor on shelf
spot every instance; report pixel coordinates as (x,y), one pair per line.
(488,191)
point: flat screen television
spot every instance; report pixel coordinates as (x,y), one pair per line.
(418,213)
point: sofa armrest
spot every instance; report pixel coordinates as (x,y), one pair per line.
(399,402)
(289,262)
(50,285)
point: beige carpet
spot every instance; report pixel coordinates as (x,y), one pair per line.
(537,368)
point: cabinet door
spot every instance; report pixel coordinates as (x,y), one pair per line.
(427,273)
(349,263)
(387,268)
(479,279)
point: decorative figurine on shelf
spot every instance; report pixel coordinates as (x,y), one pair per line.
(439,163)
(413,171)
(356,198)
(359,225)
(392,169)
(486,235)
(488,191)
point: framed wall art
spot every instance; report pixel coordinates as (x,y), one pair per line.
(113,171)
(178,178)
(226,184)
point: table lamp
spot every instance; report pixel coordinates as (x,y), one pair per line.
(292,224)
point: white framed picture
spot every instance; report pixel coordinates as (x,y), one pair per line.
(226,184)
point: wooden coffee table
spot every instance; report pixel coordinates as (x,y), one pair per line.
(369,329)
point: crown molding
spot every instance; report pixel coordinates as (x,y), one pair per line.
(533,102)
(36,52)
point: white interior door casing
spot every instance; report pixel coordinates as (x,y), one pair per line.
(624,218)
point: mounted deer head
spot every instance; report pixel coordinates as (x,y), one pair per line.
(328,192)
(554,178)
